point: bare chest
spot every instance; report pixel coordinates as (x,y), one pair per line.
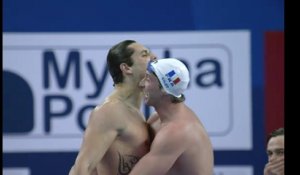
(131,144)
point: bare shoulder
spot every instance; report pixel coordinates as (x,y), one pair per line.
(170,140)
(185,132)
(172,132)
(107,115)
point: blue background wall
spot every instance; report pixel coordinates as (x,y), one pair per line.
(258,16)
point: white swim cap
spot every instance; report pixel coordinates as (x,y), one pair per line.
(172,74)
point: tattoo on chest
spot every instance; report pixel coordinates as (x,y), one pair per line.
(126,163)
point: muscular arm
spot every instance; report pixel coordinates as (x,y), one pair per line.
(165,150)
(98,137)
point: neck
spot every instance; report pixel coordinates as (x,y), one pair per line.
(168,111)
(129,94)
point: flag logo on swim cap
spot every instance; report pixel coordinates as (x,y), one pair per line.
(173,79)
(172,74)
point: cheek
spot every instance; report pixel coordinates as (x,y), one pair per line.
(156,89)
(142,62)
(142,69)
(149,87)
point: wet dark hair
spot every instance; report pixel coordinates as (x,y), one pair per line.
(178,99)
(118,54)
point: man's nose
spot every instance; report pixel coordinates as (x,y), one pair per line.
(153,57)
(272,157)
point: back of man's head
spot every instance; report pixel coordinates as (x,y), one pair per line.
(119,53)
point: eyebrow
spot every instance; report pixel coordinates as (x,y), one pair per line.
(145,52)
(276,149)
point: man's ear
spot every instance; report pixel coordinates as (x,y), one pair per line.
(125,68)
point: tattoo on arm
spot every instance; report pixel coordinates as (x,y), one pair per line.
(126,163)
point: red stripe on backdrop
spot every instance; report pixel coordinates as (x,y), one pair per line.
(274,80)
